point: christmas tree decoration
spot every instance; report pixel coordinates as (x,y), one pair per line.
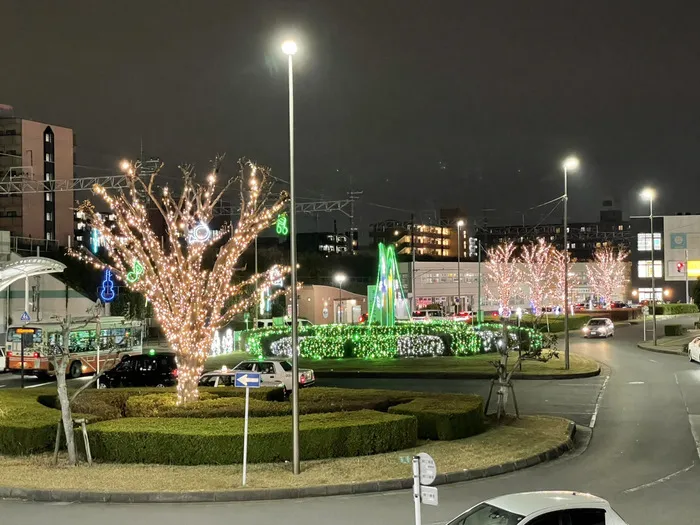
(608,273)
(192,286)
(215,344)
(227,342)
(387,297)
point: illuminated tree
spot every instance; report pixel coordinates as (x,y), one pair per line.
(538,272)
(607,274)
(188,276)
(562,260)
(503,275)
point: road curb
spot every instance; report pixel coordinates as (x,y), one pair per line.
(72,496)
(650,348)
(447,375)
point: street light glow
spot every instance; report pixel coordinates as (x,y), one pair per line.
(289,47)
(125,165)
(571,163)
(460,223)
(648,194)
(339,278)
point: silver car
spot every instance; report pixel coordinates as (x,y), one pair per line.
(599,327)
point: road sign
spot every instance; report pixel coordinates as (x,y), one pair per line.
(247,380)
(428,469)
(429,495)
(645,310)
(25,317)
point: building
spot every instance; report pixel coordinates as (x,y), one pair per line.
(676,257)
(436,283)
(327,304)
(583,237)
(429,240)
(31,150)
(328,242)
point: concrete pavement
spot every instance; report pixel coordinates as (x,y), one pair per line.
(642,456)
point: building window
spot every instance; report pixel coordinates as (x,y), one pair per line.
(48,236)
(49,216)
(48,157)
(49,197)
(644,242)
(48,137)
(644,269)
(620,227)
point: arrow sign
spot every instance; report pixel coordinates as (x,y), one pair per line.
(247,380)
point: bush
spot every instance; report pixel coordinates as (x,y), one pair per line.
(220,441)
(445,417)
(26,426)
(674,309)
(209,406)
(673,329)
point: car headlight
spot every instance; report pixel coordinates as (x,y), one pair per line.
(586,329)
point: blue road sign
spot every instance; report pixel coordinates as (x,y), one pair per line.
(25,317)
(247,380)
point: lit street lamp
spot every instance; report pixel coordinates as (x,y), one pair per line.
(289,47)
(460,223)
(569,164)
(340,279)
(649,194)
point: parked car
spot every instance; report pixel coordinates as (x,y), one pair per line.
(3,359)
(428,315)
(152,369)
(273,373)
(462,316)
(599,327)
(541,508)
(694,350)
(618,304)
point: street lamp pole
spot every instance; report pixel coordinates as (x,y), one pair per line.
(459,260)
(340,279)
(290,48)
(571,163)
(653,273)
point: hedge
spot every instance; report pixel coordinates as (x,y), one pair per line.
(443,418)
(26,426)
(209,406)
(674,309)
(673,329)
(183,441)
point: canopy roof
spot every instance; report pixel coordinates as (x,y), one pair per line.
(27,267)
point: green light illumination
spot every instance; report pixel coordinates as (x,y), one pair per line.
(388,293)
(380,342)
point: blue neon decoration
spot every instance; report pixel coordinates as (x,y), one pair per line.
(107,292)
(94,240)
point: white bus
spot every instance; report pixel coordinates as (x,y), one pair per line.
(118,337)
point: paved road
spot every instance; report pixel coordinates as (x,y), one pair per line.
(642,456)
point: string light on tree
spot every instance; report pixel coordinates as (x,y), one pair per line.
(607,274)
(538,272)
(190,298)
(503,275)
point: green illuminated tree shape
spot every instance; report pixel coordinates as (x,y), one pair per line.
(388,292)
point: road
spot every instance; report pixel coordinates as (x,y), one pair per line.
(642,455)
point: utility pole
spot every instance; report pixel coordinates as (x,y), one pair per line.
(478,280)
(413,264)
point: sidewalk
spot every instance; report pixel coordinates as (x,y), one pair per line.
(676,344)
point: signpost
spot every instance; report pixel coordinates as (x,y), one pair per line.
(25,318)
(424,473)
(645,312)
(246,380)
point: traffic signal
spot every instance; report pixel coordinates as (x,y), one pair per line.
(473,247)
(680,267)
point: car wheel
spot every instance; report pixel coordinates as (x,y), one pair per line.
(75,370)
(690,355)
(160,385)
(101,384)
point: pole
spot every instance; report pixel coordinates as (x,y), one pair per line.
(478,279)
(98,340)
(644,319)
(687,289)
(459,277)
(416,489)
(653,273)
(413,265)
(26,293)
(245,435)
(340,302)
(566,270)
(293,249)
(21,373)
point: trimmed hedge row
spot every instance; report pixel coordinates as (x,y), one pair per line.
(674,309)
(444,419)
(183,441)
(26,426)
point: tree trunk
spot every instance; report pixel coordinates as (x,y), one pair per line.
(189,369)
(66,415)
(502,394)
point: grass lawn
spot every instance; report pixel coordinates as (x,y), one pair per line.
(516,439)
(480,363)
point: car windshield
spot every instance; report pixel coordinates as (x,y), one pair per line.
(596,322)
(208,380)
(286,366)
(486,514)
(245,365)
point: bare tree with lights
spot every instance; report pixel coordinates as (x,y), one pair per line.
(607,274)
(562,259)
(502,274)
(538,272)
(189,275)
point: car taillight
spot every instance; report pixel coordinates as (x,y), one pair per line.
(302,379)
(36,354)
(174,373)
(9,354)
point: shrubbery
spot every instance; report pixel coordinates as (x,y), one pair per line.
(674,309)
(673,329)
(26,426)
(445,417)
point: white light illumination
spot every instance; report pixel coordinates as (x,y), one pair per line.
(339,278)
(289,47)
(460,223)
(648,194)
(571,163)
(125,165)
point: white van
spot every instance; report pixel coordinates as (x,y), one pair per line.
(270,323)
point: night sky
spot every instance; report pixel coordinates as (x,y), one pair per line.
(420,104)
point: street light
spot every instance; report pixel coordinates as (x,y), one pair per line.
(289,47)
(649,194)
(570,164)
(460,223)
(340,279)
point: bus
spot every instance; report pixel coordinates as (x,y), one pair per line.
(119,337)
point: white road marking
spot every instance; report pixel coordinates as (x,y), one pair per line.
(695,429)
(660,480)
(598,401)
(653,361)
(635,383)
(3,386)
(35,386)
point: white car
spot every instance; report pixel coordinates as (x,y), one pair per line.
(541,508)
(273,373)
(428,315)
(694,350)
(599,327)
(3,359)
